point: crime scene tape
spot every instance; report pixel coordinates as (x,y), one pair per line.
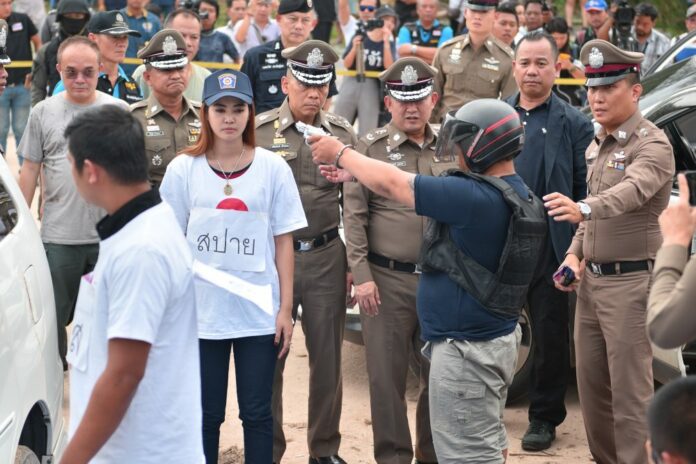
(339,72)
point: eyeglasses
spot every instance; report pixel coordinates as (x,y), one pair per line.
(71,73)
(369,8)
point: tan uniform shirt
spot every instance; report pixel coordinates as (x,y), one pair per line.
(375,223)
(629,179)
(465,74)
(275,131)
(165,137)
(671,315)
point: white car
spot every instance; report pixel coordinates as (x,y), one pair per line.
(32,428)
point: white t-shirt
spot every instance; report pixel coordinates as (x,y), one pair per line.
(235,233)
(349,28)
(142,289)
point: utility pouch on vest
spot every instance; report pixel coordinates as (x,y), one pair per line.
(504,292)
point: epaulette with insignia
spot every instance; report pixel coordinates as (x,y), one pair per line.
(338,120)
(509,51)
(137,105)
(453,40)
(268,116)
(375,135)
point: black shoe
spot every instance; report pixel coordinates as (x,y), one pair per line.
(539,436)
(333,459)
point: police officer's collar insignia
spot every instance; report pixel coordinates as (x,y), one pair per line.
(227,81)
(263,117)
(315,58)
(643,132)
(370,136)
(396,137)
(3,37)
(622,134)
(169,46)
(409,76)
(596,59)
(196,123)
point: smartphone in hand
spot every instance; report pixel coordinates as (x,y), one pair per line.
(564,276)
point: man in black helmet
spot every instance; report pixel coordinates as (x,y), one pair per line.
(72,16)
(475,276)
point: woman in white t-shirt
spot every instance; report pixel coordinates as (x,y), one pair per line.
(238,205)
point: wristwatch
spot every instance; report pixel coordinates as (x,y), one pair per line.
(413,50)
(585,210)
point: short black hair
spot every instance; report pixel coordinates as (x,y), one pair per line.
(647,9)
(112,138)
(508,7)
(672,418)
(538,36)
(538,2)
(180,12)
(215,5)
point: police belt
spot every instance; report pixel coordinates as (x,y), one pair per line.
(383,261)
(316,242)
(619,267)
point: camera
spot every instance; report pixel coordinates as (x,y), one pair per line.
(623,22)
(366,26)
(193,5)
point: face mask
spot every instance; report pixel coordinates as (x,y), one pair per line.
(72,26)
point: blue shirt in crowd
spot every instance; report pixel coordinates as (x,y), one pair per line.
(214,45)
(529,164)
(425,35)
(148,25)
(478,217)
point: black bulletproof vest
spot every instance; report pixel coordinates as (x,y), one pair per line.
(504,292)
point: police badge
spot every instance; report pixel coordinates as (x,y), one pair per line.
(169,46)
(272,89)
(157,160)
(315,58)
(596,58)
(227,81)
(3,37)
(409,76)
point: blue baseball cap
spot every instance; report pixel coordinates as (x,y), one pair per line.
(227,83)
(596,5)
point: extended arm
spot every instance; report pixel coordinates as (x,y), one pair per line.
(382,178)
(285,265)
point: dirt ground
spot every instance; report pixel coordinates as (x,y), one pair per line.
(356,448)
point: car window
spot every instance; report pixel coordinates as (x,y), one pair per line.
(8,212)
(687,127)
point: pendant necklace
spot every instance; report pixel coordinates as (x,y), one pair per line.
(227,190)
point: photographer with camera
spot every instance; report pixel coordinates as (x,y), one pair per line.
(371,49)
(598,22)
(214,45)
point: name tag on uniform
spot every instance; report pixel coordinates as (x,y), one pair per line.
(437,33)
(17,27)
(154,133)
(619,165)
(492,67)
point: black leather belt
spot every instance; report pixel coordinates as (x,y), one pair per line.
(316,242)
(620,267)
(383,261)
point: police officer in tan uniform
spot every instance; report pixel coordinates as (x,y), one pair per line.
(629,177)
(321,277)
(472,66)
(170,121)
(384,269)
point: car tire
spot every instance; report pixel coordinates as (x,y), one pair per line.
(520,383)
(25,455)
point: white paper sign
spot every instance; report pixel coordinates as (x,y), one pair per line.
(260,295)
(226,239)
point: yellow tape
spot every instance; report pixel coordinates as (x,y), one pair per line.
(211,65)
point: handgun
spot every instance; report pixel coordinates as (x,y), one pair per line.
(309,130)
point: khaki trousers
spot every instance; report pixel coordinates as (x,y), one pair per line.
(390,339)
(614,365)
(320,287)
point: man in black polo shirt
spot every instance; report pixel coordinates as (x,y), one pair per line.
(15,102)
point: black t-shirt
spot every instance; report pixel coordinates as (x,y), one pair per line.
(20,30)
(373,54)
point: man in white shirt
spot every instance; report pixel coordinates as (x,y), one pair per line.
(134,378)
(256,28)
(348,23)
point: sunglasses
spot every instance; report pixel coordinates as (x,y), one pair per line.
(71,73)
(369,8)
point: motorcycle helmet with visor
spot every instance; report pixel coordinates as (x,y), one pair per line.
(486,131)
